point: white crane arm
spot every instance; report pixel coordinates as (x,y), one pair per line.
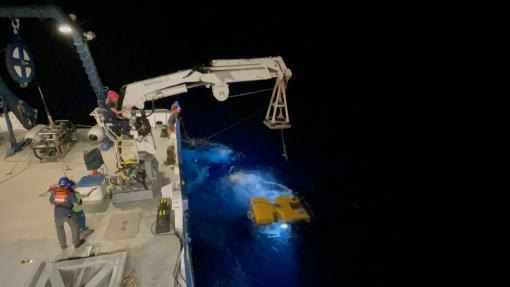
(218,76)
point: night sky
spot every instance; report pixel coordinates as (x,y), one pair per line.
(345,153)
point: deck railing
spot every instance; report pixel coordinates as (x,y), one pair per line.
(186,239)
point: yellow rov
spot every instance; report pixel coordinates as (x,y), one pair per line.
(286,208)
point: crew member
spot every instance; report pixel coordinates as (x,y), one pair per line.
(175,110)
(112,99)
(121,124)
(78,210)
(64,199)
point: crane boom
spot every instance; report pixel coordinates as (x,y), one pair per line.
(218,76)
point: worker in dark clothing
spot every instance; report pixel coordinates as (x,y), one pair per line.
(64,200)
(120,122)
(112,99)
(175,110)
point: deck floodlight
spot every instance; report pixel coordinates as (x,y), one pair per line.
(65,29)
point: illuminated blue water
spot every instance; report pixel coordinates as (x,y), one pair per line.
(227,249)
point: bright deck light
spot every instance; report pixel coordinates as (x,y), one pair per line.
(64,28)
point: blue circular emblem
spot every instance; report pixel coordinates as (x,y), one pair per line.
(19,62)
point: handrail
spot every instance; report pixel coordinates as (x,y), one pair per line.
(188,266)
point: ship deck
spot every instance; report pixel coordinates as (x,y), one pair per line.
(27,229)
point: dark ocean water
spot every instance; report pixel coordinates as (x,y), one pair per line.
(339,160)
(228,250)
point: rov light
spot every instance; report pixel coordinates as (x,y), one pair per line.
(65,29)
(284,226)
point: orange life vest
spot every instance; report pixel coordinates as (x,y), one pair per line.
(61,195)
